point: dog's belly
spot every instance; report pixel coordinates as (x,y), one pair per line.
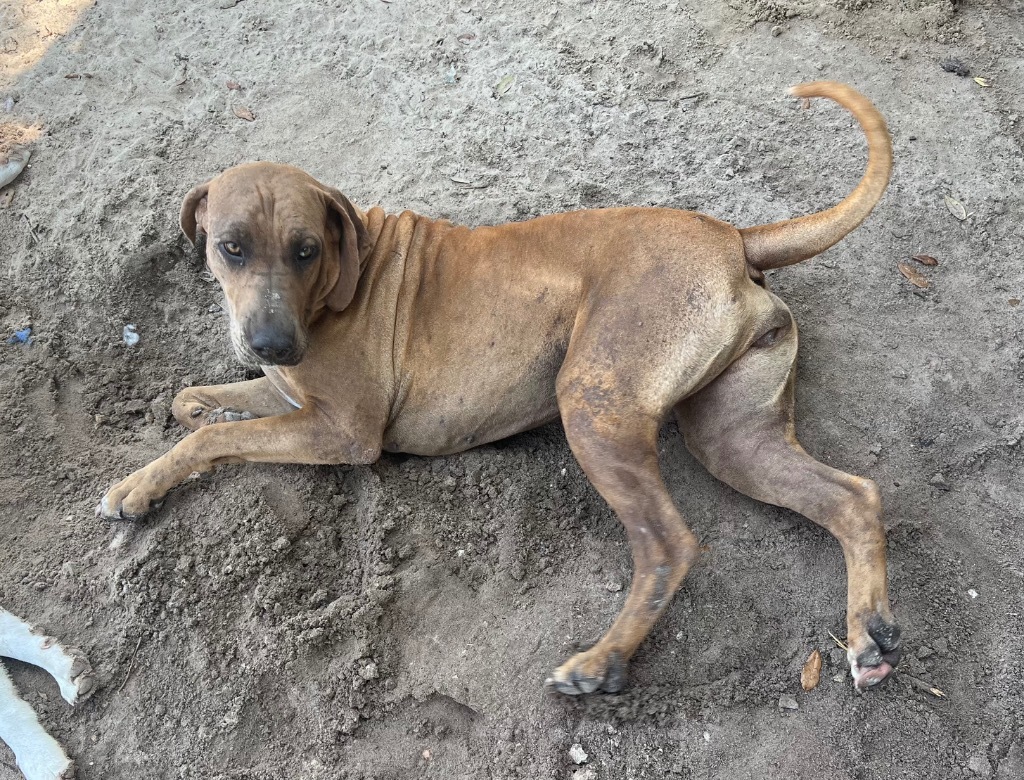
(468,401)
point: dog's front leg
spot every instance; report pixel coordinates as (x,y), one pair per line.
(307,435)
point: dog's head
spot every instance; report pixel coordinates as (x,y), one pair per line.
(283,247)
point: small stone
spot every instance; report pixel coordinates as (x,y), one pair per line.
(787,702)
(281,543)
(939,481)
(941,646)
(614,585)
(924,651)
(972,593)
(369,672)
(578,754)
(980,766)
(953,65)
(776,31)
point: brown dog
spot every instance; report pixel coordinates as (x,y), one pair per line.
(407,334)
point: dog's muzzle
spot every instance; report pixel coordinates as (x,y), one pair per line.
(274,345)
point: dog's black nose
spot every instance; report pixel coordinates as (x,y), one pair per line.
(274,345)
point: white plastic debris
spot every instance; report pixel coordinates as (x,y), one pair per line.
(36,753)
(12,165)
(578,754)
(131,338)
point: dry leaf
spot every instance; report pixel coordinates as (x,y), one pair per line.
(914,276)
(982,82)
(232,84)
(956,208)
(1014,301)
(244,113)
(810,675)
(6,198)
(504,85)
(925,259)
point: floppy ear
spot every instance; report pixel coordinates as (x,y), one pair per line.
(193,212)
(353,248)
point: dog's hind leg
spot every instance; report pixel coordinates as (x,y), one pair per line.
(614,390)
(741,428)
(195,407)
(621,461)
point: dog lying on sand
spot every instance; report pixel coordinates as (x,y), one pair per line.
(401,333)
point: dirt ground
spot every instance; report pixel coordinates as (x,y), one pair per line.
(397,621)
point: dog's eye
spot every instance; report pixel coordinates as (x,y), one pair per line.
(307,253)
(231,248)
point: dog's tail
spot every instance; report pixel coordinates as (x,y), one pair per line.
(793,240)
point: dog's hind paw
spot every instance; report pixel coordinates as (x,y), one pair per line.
(873,659)
(590,671)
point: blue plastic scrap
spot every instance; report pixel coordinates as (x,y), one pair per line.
(23,336)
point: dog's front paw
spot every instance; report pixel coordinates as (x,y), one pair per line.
(131,498)
(593,670)
(874,655)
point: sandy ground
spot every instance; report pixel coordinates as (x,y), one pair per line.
(397,621)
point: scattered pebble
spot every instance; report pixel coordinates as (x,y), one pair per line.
(924,651)
(972,593)
(954,65)
(131,338)
(776,31)
(787,702)
(369,672)
(980,766)
(578,754)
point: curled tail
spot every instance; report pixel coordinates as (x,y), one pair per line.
(793,240)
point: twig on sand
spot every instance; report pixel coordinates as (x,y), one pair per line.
(131,664)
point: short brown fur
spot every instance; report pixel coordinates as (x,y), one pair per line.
(415,335)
